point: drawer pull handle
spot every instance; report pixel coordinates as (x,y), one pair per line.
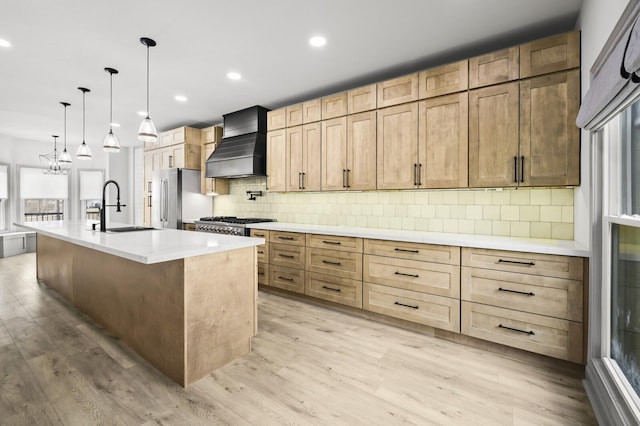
(260,273)
(408,306)
(286,238)
(406,250)
(331,242)
(328,262)
(530,332)
(258,235)
(260,252)
(530,293)
(407,275)
(288,256)
(516,262)
(331,288)
(285,278)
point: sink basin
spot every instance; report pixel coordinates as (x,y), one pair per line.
(130,229)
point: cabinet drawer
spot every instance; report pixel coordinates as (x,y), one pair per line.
(335,289)
(276,119)
(263,273)
(335,242)
(398,91)
(263,252)
(450,78)
(362,99)
(295,238)
(416,251)
(334,106)
(435,311)
(338,263)
(555,297)
(260,233)
(535,333)
(286,278)
(286,255)
(425,277)
(547,265)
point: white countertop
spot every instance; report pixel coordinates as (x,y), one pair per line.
(533,245)
(152,246)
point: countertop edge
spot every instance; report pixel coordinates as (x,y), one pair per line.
(542,246)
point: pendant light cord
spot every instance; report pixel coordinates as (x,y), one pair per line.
(65,127)
(147,81)
(110,101)
(83,96)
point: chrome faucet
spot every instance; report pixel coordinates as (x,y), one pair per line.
(104,205)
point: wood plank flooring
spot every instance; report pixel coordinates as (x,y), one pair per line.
(309,366)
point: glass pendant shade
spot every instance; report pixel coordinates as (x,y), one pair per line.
(65,157)
(83,152)
(147,131)
(110,143)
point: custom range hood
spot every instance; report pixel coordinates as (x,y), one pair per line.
(243,149)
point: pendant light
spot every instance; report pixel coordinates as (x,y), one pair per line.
(110,142)
(65,157)
(51,161)
(83,153)
(147,131)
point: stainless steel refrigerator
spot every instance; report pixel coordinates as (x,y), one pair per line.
(176,198)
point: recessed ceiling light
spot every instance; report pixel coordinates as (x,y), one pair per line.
(233,76)
(142,113)
(180,98)
(317,41)
(4,43)
(115,125)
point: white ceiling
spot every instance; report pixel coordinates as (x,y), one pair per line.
(60,45)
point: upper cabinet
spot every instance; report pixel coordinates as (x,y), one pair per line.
(276,158)
(311,111)
(397,157)
(398,91)
(493,135)
(362,99)
(495,67)
(558,53)
(294,115)
(303,151)
(211,137)
(443,80)
(276,119)
(334,106)
(549,138)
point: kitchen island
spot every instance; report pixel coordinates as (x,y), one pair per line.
(185,301)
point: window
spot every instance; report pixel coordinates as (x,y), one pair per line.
(4,195)
(90,193)
(43,196)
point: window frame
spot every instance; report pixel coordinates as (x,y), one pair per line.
(20,204)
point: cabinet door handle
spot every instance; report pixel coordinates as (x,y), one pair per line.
(285,278)
(331,288)
(149,187)
(337,243)
(408,306)
(530,293)
(328,262)
(299,180)
(348,184)
(406,250)
(522,168)
(344,178)
(286,256)
(530,332)
(286,238)
(419,174)
(170,161)
(260,251)
(149,201)
(303,175)
(415,174)
(515,168)
(407,275)
(516,262)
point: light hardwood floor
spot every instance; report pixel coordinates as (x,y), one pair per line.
(309,365)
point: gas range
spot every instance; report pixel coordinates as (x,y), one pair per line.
(229,225)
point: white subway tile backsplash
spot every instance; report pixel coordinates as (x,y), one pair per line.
(523,212)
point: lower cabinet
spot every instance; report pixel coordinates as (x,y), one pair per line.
(335,289)
(291,279)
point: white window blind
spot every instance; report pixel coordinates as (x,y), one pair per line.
(90,184)
(4,182)
(36,185)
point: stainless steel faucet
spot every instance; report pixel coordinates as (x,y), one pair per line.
(104,205)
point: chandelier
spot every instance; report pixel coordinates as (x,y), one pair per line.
(51,164)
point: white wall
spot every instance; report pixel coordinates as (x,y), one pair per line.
(596,21)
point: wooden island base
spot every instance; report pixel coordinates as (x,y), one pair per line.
(186,317)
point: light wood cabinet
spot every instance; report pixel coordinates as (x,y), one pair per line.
(290,279)
(362,99)
(495,67)
(184,134)
(398,91)
(211,186)
(211,134)
(334,106)
(294,115)
(303,170)
(276,160)
(443,142)
(557,53)
(311,111)
(181,156)
(449,255)
(493,136)
(334,154)
(443,80)
(361,151)
(334,242)
(262,252)
(397,156)
(294,238)
(286,259)
(335,289)
(276,119)
(549,137)
(333,262)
